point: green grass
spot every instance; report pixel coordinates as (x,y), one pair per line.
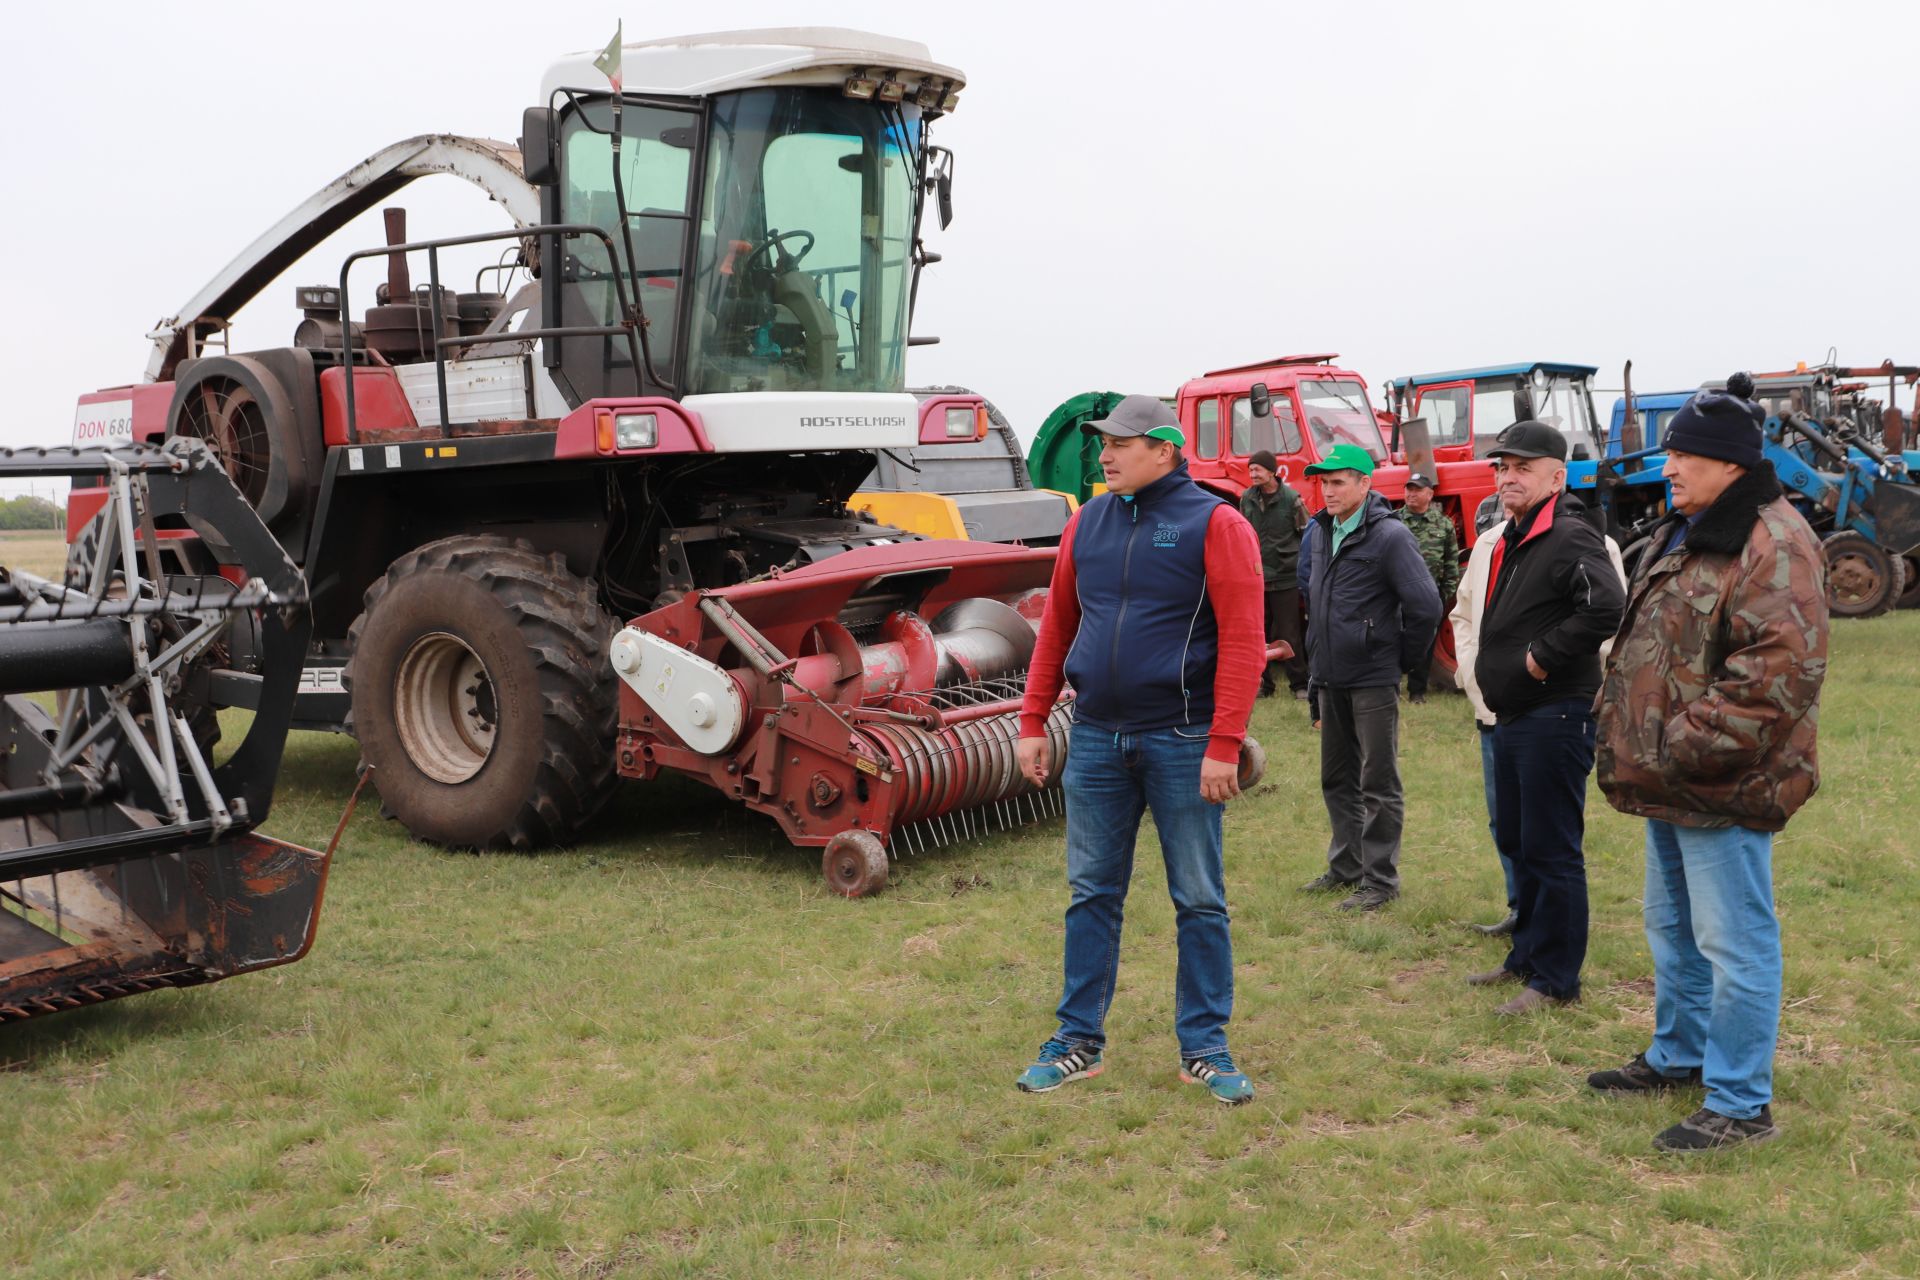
(672,1053)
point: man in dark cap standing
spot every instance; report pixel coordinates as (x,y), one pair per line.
(1553,598)
(1154,616)
(1278,517)
(1707,730)
(1439,546)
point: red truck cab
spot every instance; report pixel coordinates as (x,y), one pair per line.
(1315,405)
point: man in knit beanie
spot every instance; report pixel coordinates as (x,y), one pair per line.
(1278,517)
(1706,729)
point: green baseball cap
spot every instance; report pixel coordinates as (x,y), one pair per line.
(1343,457)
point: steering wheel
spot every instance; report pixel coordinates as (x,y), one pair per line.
(778,237)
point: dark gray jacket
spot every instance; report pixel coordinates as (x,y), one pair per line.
(1372,610)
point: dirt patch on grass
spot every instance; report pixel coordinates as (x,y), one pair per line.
(1420,971)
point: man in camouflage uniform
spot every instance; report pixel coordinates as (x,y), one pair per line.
(1707,725)
(1440,547)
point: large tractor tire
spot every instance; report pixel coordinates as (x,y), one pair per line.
(1910,596)
(482,697)
(1864,580)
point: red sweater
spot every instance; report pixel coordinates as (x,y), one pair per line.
(1235,588)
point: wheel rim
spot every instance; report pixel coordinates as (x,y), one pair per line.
(445,708)
(1855,579)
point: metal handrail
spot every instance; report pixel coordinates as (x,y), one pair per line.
(628,310)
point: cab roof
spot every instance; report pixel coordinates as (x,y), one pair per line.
(1497,371)
(1281,371)
(723,61)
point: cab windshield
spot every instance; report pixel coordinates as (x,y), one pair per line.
(1337,412)
(803,266)
(1562,401)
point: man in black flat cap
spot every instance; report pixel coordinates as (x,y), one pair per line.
(1553,598)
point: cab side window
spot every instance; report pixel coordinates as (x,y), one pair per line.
(1207,422)
(1278,433)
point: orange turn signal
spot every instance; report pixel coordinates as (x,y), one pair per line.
(603,432)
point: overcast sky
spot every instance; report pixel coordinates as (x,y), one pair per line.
(1144,191)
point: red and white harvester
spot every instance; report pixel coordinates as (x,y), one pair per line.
(716,242)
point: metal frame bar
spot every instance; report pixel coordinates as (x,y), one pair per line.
(628,308)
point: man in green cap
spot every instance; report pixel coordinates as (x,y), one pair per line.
(1372,609)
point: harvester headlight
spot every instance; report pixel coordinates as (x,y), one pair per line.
(892,90)
(862,86)
(960,423)
(635,430)
(929,97)
(951,101)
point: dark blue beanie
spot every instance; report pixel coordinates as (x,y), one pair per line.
(1720,424)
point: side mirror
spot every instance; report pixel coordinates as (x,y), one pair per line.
(538,161)
(1522,405)
(939,180)
(1260,400)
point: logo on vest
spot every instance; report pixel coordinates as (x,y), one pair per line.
(1166,535)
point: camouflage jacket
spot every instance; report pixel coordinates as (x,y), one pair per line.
(1711,697)
(1439,546)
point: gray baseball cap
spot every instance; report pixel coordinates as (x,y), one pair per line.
(1140,416)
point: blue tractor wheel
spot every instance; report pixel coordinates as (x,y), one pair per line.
(1864,579)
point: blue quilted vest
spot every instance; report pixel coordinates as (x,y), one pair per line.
(1144,655)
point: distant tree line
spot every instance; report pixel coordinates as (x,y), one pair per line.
(28,512)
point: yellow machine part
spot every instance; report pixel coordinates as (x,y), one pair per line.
(932,515)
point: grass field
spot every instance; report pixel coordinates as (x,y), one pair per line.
(671,1053)
(41,551)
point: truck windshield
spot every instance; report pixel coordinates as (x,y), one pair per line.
(1337,412)
(803,266)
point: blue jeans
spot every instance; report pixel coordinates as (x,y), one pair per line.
(1541,761)
(1493,825)
(1716,960)
(1110,779)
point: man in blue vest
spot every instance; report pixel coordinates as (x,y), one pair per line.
(1372,610)
(1155,618)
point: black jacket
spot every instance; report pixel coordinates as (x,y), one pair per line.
(1553,593)
(1372,610)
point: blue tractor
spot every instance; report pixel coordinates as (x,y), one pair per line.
(1861,498)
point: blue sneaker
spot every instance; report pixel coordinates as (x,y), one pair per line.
(1226,1082)
(1059,1063)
